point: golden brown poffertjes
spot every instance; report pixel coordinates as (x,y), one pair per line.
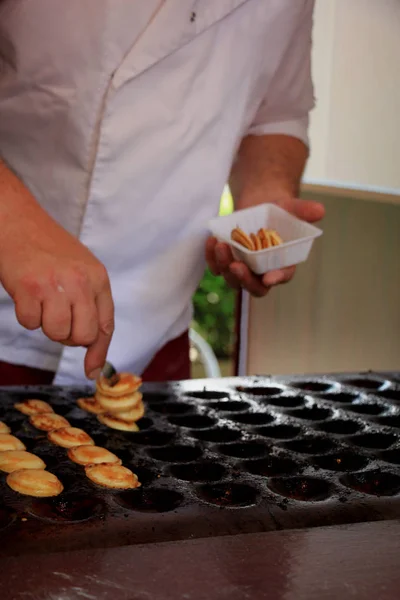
(90,405)
(92,455)
(4,428)
(117,406)
(15,460)
(10,442)
(68,437)
(263,239)
(33,407)
(114,422)
(112,476)
(48,421)
(35,482)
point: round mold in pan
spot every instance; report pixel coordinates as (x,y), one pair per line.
(206,471)
(263,392)
(341,461)
(310,445)
(283,401)
(310,385)
(279,432)
(208,395)
(176,453)
(193,421)
(228,494)
(172,408)
(375,482)
(392,421)
(217,435)
(303,489)
(271,466)
(390,394)
(339,397)
(311,413)
(6,517)
(367,408)
(156,397)
(66,508)
(153,437)
(243,449)
(390,456)
(253,418)
(365,383)
(150,500)
(340,426)
(229,406)
(374,440)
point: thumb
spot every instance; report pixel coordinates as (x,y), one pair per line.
(308,210)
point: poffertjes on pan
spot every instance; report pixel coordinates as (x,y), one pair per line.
(68,437)
(33,407)
(15,460)
(4,428)
(10,442)
(92,455)
(35,482)
(112,476)
(48,421)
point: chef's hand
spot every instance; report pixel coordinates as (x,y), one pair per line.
(57,284)
(238,275)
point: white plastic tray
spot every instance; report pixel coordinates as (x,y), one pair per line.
(298,237)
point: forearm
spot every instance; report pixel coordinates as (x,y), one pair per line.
(268,168)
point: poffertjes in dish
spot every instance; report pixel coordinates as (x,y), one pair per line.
(33,407)
(68,437)
(4,428)
(15,460)
(91,405)
(112,476)
(114,422)
(48,421)
(35,482)
(10,442)
(92,455)
(263,239)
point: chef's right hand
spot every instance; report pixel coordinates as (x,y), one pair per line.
(56,283)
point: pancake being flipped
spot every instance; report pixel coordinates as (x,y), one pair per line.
(35,482)
(15,460)
(48,421)
(92,455)
(33,407)
(68,437)
(112,476)
(127,384)
(120,404)
(10,442)
(134,414)
(4,428)
(91,405)
(114,422)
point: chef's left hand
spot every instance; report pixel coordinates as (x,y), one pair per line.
(238,275)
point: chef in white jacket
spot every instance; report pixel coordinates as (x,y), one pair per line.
(120,123)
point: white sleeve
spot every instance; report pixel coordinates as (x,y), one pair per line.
(290,98)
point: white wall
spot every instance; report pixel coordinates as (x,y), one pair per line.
(355,129)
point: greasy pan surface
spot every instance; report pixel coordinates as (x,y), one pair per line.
(217,457)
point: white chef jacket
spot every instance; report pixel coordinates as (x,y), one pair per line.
(123,118)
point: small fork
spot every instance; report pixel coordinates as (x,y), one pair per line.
(110,373)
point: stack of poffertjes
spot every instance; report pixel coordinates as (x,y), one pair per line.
(118,407)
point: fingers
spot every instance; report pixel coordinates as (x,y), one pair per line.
(97,352)
(308,210)
(247,280)
(56,317)
(211,256)
(278,277)
(28,311)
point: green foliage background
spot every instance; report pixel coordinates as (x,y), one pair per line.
(214,304)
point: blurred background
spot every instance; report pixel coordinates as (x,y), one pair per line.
(342,311)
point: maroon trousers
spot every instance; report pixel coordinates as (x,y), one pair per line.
(171,363)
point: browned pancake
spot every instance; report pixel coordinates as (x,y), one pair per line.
(35,482)
(68,437)
(10,442)
(114,422)
(33,407)
(121,404)
(91,405)
(15,460)
(4,428)
(92,455)
(127,384)
(112,476)
(48,421)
